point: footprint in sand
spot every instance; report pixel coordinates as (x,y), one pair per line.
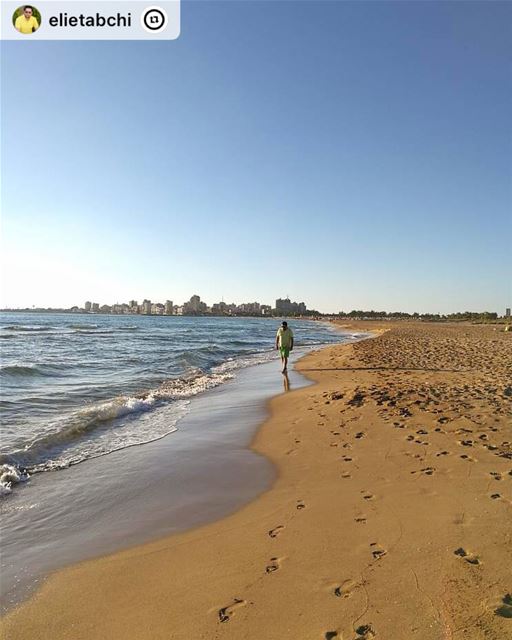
(360,435)
(331,635)
(442,453)
(226,612)
(275,564)
(496,475)
(377,551)
(300,505)
(273,533)
(365,632)
(367,496)
(344,590)
(468,557)
(427,471)
(346,459)
(346,475)
(360,520)
(505,609)
(495,496)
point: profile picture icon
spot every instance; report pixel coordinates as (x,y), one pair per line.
(26,19)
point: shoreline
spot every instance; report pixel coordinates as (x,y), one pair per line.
(372,528)
(209,434)
(143,493)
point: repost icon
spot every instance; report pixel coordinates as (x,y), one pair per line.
(154,19)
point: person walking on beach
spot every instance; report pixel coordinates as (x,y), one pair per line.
(284,342)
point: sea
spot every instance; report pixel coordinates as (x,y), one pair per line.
(80,386)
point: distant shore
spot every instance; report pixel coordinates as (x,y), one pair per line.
(390,517)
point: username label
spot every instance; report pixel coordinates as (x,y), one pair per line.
(90,20)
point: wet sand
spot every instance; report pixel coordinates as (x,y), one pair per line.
(390,517)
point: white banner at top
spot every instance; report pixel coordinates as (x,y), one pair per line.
(90,20)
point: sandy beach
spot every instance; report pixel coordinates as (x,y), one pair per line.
(390,517)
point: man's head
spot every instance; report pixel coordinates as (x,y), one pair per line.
(27,11)
(285,324)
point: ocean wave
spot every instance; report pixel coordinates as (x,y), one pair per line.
(20,369)
(28,328)
(94,332)
(98,329)
(40,453)
(179,388)
(30,370)
(76,438)
(83,326)
(9,476)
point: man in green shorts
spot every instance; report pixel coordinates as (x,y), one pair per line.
(284,342)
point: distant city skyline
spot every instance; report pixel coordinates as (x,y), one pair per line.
(353,154)
(282,307)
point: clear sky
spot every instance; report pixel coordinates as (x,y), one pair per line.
(347,154)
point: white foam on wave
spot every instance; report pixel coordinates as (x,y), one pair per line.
(182,388)
(9,476)
(117,408)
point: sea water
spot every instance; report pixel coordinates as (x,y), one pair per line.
(79,386)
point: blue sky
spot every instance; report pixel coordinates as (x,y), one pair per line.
(348,154)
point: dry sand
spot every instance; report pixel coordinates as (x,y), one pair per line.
(390,519)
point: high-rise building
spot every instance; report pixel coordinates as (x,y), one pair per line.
(168,308)
(87,306)
(194,306)
(146,307)
(95,306)
(285,307)
(507,312)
